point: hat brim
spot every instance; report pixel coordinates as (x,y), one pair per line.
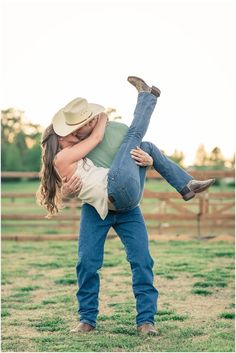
(62,129)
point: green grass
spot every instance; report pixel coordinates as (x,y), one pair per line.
(229,316)
(202,292)
(39,304)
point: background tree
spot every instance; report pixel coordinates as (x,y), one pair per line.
(112,114)
(201,158)
(178,157)
(20,142)
(216,158)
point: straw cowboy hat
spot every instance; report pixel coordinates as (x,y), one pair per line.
(74,115)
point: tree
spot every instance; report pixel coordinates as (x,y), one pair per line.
(201,158)
(216,158)
(112,114)
(20,142)
(177,156)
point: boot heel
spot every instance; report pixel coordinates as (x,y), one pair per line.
(190,195)
(155,91)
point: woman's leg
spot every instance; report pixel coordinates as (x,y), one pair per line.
(172,172)
(169,170)
(124,175)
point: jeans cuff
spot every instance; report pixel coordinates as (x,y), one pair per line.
(84,321)
(145,322)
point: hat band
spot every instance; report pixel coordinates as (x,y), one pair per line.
(71,124)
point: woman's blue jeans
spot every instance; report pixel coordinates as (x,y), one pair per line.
(125,178)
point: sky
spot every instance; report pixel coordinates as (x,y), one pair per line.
(56,50)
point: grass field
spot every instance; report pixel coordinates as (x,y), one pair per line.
(195,280)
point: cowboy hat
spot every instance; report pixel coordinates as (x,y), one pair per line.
(74,115)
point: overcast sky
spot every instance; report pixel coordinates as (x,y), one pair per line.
(54,51)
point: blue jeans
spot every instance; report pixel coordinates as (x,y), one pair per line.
(131,229)
(125,178)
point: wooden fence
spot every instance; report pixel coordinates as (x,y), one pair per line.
(163,211)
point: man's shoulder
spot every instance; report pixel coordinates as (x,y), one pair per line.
(116,125)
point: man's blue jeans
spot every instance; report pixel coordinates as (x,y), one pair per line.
(132,231)
(125,178)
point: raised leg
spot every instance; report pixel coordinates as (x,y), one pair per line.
(169,170)
(123,177)
(173,173)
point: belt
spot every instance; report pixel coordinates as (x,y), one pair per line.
(111,205)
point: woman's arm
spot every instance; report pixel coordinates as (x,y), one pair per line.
(81,149)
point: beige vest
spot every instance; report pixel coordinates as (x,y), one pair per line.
(94,189)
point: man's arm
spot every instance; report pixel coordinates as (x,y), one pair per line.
(141,158)
(72,187)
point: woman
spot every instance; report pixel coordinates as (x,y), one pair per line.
(119,188)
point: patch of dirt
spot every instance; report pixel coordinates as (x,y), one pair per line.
(198,308)
(119,285)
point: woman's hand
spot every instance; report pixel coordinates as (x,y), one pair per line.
(103,115)
(141,158)
(72,187)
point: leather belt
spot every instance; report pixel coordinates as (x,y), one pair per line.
(111,205)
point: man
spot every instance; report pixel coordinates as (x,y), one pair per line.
(129,226)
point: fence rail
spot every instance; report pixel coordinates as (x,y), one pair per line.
(151,174)
(207,210)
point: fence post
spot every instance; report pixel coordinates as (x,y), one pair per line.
(73,204)
(199,215)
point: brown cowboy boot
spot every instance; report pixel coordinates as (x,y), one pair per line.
(194,187)
(83,328)
(147,329)
(141,86)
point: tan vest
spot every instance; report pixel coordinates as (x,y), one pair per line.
(94,189)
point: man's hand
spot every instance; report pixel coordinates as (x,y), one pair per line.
(72,187)
(141,158)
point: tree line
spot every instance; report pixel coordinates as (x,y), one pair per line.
(21,150)
(20,142)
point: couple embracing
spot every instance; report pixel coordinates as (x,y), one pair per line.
(104,164)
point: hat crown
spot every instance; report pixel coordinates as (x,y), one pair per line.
(76,111)
(75,115)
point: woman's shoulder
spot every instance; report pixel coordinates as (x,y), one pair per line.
(62,165)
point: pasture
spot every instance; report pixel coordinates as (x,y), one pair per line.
(195,280)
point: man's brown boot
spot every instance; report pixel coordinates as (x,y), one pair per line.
(147,329)
(141,86)
(83,327)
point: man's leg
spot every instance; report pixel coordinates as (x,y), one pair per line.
(93,232)
(131,229)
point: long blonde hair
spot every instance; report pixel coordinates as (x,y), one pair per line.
(49,192)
